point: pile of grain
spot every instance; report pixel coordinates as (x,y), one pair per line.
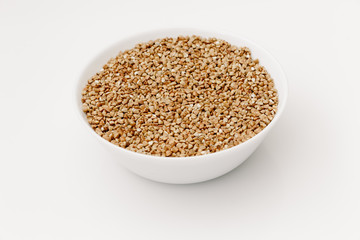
(181,96)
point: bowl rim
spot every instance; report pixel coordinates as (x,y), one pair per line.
(78,88)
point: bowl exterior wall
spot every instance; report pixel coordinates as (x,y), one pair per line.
(184,171)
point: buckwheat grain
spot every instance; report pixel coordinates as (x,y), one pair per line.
(178,97)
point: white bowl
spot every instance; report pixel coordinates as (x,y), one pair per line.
(194,169)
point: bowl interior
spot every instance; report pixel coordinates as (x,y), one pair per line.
(265,58)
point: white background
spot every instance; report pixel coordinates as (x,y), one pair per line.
(56,182)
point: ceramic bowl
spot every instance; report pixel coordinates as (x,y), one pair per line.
(182,170)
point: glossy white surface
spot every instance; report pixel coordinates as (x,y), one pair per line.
(181,170)
(57,182)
